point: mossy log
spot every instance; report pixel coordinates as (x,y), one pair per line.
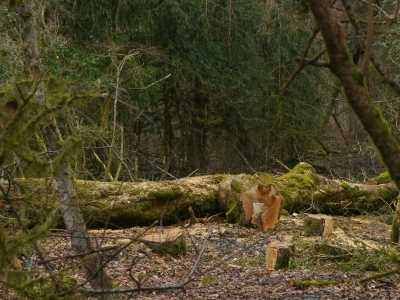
(124,204)
(303,189)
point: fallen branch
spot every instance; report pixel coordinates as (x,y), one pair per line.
(189,278)
(381,275)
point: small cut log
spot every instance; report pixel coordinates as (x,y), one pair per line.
(318,225)
(278,255)
(166,241)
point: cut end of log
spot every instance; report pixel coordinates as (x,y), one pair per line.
(318,225)
(278,255)
(166,241)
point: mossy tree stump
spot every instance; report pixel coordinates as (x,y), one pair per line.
(318,225)
(278,255)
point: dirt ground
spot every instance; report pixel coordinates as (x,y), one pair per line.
(232,264)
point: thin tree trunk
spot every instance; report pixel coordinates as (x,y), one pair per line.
(352,79)
(168,135)
(69,208)
(199,134)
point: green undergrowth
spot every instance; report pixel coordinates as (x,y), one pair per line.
(321,256)
(382,178)
(208,280)
(363,260)
(251,261)
(303,284)
(30,286)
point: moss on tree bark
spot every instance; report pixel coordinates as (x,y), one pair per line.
(125,204)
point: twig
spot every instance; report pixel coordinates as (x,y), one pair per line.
(303,62)
(8,199)
(350,15)
(393,84)
(316,63)
(246,161)
(153,83)
(189,278)
(192,173)
(368,40)
(72,256)
(340,128)
(380,275)
(396,14)
(119,70)
(104,264)
(282,164)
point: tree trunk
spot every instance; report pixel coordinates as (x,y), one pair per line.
(68,206)
(168,135)
(198,135)
(126,204)
(352,79)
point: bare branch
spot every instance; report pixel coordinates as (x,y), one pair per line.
(386,79)
(189,278)
(368,40)
(302,64)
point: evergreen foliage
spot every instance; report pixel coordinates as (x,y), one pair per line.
(220,64)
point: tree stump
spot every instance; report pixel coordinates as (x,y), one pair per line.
(278,255)
(318,225)
(166,241)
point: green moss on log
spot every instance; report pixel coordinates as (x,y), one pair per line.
(297,186)
(166,194)
(382,178)
(230,191)
(122,204)
(129,204)
(303,189)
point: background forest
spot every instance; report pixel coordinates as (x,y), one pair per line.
(187,87)
(147,146)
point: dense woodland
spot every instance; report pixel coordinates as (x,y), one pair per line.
(199,149)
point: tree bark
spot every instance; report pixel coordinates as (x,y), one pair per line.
(198,151)
(168,135)
(66,197)
(352,79)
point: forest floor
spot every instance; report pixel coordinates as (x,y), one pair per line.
(232,263)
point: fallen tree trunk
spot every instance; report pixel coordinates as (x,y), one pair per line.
(125,204)
(304,190)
